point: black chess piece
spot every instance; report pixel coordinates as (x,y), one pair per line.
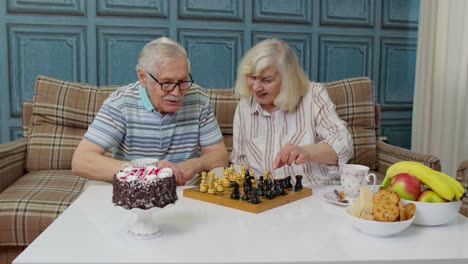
(255,199)
(235,194)
(261,186)
(245,196)
(288,183)
(298,185)
(268,194)
(247,179)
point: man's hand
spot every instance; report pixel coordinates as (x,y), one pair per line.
(290,154)
(183,171)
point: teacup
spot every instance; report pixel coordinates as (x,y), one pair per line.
(145,162)
(352,178)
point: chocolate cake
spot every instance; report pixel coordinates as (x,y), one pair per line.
(144,187)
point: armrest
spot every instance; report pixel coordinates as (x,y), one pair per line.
(388,154)
(12,160)
(462,177)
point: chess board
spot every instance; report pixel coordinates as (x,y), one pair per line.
(224,199)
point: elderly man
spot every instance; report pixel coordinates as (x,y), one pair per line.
(163,116)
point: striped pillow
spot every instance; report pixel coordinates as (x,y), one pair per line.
(62,112)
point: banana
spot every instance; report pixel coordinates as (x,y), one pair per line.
(456,185)
(425,174)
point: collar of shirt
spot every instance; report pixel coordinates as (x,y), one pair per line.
(255,107)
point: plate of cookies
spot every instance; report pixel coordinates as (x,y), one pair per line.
(381,214)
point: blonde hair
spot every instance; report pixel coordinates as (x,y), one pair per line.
(274,52)
(159,51)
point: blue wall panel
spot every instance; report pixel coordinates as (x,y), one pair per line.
(212,9)
(98,42)
(400,14)
(118,50)
(145,8)
(398,72)
(345,56)
(348,12)
(34,49)
(64,7)
(213,54)
(279,11)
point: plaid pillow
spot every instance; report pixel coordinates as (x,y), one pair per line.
(62,112)
(354,100)
(224,102)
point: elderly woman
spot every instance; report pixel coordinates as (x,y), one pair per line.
(285,123)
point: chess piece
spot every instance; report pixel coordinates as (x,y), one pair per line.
(203,185)
(298,185)
(288,183)
(211,183)
(243,169)
(235,194)
(246,195)
(219,186)
(266,175)
(248,179)
(226,182)
(205,175)
(255,199)
(261,186)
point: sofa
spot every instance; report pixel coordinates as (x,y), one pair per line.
(36,182)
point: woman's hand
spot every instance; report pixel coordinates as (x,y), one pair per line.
(290,154)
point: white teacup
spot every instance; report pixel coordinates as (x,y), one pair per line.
(145,162)
(352,179)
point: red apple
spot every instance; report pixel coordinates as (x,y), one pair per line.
(406,186)
(429,196)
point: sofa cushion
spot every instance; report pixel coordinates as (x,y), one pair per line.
(33,202)
(354,100)
(62,111)
(224,102)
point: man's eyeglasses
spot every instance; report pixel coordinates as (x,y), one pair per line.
(169,86)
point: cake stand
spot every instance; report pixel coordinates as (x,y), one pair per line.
(144,227)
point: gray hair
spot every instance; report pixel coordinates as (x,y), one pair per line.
(269,52)
(159,51)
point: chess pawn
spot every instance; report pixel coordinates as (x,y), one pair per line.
(203,179)
(235,191)
(211,184)
(288,183)
(255,199)
(226,182)
(266,175)
(298,185)
(203,187)
(219,186)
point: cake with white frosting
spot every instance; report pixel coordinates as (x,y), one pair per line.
(144,187)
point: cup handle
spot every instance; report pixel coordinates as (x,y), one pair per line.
(374,181)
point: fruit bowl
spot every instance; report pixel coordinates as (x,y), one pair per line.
(376,228)
(433,214)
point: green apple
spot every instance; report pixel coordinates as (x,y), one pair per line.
(429,196)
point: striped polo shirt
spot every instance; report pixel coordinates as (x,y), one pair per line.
(258,136)
(125,125)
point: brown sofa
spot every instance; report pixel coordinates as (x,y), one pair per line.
(36,183)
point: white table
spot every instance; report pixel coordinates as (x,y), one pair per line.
(310,230)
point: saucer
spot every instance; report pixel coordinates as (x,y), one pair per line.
(332,198)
